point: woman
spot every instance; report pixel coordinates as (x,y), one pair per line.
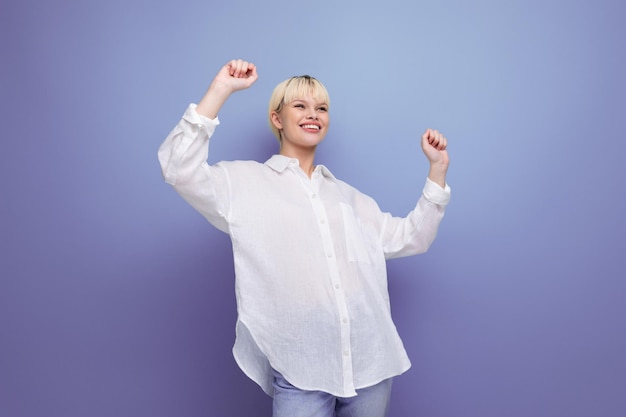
(314,328)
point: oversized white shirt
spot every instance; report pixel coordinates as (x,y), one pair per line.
(309,253)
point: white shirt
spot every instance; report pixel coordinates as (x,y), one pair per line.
(309,253)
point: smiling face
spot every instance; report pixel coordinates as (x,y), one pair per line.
(296,88)
(302,123)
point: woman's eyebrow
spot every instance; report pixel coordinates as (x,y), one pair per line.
(317,103)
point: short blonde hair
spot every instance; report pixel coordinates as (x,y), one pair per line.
(292,89)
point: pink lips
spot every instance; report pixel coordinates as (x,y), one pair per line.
(309,127)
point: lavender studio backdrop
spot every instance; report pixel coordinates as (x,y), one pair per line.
(117,299)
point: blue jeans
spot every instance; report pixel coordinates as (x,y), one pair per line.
(290,401)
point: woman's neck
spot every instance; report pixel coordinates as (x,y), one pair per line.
(306,157)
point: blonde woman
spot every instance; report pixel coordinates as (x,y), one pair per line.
(314,328)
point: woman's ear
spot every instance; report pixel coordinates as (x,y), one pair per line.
(275,117)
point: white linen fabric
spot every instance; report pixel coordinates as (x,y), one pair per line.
(309,253)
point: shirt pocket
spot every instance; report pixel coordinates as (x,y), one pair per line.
(356,240)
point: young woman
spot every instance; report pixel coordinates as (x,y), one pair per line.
(314,328)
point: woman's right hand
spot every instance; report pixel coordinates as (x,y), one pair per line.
(236,75)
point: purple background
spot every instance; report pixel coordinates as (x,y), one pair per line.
(117,299)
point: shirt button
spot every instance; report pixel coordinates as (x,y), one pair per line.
(345,320)
(337,286)
(323,221)
(313,195)
(346,353)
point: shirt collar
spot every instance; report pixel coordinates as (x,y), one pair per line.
(280,162)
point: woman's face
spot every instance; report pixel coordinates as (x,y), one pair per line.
(303,122)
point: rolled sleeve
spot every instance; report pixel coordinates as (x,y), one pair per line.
(194,118)
(435,194)
(191,128)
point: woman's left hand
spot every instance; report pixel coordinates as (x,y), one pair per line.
(434,145)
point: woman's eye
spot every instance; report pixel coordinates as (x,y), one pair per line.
(322,109)
(300,106)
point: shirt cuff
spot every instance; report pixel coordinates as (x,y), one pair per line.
(435,194)
(202,122)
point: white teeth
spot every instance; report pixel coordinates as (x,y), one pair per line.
(311,127)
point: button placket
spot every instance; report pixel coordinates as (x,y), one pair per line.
(342,308)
